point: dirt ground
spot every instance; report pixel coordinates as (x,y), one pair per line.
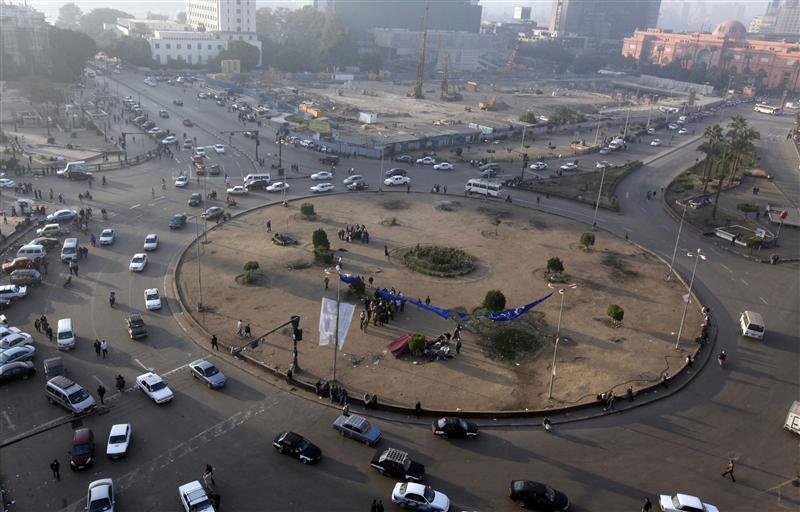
(593,356)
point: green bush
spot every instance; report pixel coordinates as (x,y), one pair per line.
(615,312)
(416,343)
(251,265)
(494,300)
(248,278)
(307,210)
(753,242)
(747,208)
(320,239)
(587,239)
(554,265)
(323,255)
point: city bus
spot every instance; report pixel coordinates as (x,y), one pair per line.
(766,109)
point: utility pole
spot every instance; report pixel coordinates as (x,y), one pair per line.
(199,269)
(597,203)
(562,292)
(675,250)
(697,256)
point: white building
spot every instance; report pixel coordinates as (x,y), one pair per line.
(23,35)
(194,47)
(222,15)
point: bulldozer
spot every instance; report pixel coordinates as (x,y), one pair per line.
(489,104)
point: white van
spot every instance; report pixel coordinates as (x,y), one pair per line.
(751,325)
(65,338)
(483,187)
(250,178)
(69,395)
(69,251)
(74,169)
(33,252)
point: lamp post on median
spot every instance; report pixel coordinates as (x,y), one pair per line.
(562,292)
(597,203)
(199,269)
(675,250)
(697,255)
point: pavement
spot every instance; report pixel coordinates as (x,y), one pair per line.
(678,444)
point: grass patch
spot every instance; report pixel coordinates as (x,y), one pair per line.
(323,127)
(438,261)
(507,341)
(398,204)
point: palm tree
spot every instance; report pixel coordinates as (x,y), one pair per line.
(740,138)
(714,136)
(720,172)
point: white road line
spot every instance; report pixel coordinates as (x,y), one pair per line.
(715,251)
(135,206)
(143,366)
(745,282)
(8,420)
(725,267)
(762,300)
(95,377)
(175,370)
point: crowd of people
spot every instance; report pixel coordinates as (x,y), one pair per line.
(354,232)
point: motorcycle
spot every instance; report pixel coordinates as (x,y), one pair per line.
(722,357)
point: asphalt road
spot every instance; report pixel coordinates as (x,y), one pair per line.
(680,444)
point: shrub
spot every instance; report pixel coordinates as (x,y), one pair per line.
(251,265)
(307,210)
(51,140)
(416,343)
(753,242)
(747,208)
(615,312)
(248,277)
(494,300)
(323,255)
(320,239)
(554,265)
(587,239)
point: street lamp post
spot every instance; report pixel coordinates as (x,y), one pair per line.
(380,176)
(562,292)
(625,130)
(697,256)
(597,203)
(597,131)
(677,238)
(199,269)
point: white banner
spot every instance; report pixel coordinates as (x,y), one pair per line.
(327,321)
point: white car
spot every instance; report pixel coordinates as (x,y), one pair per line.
(194,497)
(100,497)
(219,149)
(655,142)
(428,160)
(353,179)
(200,151)
(605,150)
(684,503)
(322,187)
(672,126)
(538,166)
(152,299)
(238,190)
(397,180)
(182,181)
(107,237)
(138,262)
(7,183)
(153,386)
(602,164)
(420,497)
(277,186)
(16,339)
(443,166)
(118,440)
(683,131)
(569,166)
(651,131)
(154,130)
(322,175)
(169,139)
(151,242)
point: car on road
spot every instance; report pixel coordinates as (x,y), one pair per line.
(538,166)
(150,242)
(672,126)
(16,370)
(396,171)
(322,187)
(194,498)
(81,455)
(18,353)
(26,277)
(153,386)
(488,173)
(138,262)
(219,149)
(249,135)
(163,113)
(420,497)
(106,237)
(188,122)
(200,151)
(208,373)
(605,150)
(13,292)
(62,216)
(238,190)
(322,175)
(119,439)
(181,181)
(358,185)
(443,166)
(15,339)
(178,103)
(100,496)
(655,142)
(537,496)
(406,159)
(7,183)
(152,299)
(212,213)
(451,426)
(215,170)
(683,131)
(397,180)
(602,164)
(136,327)
(53,229)
(17,264)
(426,160)
(569,166)
(154,130)
(358,428)
(352,179)
(277,186)
(169,139)
(684,503)
(46,242)
(397,464)
(297,446)
(195,199)
(187,144)
(177,221)
(651,131)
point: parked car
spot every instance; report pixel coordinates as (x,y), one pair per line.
(53,229)
(397,464)
(208,373)
(322,187)
(397,180)
(46,242)
(62,216)
(684,503)
(135,326)
(194,498)
(178,221)
(100,496)
(297,446)
(404,158)
(537,496)
(212,213)
(605,150)
(420,497)
(81,455)
(651,131)
(18,353)
(655,142)
(16,370)
(26,277)
(154,387)
(15,339)
(451,426)
(358,428)
(138,262)
(17,264)
(7,183)
(119,439)
(683,131)
(13,292)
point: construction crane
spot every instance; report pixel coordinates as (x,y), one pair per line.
(446,94)
(512,57)
(491,103)
(416,91)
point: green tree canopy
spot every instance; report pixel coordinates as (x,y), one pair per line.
(247,54)
(181,17)
(69,16)
(133,50)
(92,22)
(69,51)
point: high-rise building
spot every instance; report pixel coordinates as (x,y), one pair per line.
(604,19)
(362,16)
(23,35)
(522,13)
(222,15)
(782,18)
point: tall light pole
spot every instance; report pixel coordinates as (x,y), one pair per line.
(335,272)
(597,131)
(562,292)
(597,203)
(697,255)
(380,176)
(627,118)
(675,250)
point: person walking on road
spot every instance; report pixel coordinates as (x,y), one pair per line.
(214,342)
(239,328)
(97,347)
(54,467)
(104,348)
(647,506)
(729,470)
(101,392)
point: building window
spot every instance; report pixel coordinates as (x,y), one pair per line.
(189,46)
(168,46)
(178,46)
(219,47)
(209,47)
(238,11)
(158,46)
(238,20)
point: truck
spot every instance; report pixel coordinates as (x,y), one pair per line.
(786,215)
(330,160)
(792,423)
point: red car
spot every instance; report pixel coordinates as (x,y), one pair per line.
(197,159)
(199,169)
(17,264)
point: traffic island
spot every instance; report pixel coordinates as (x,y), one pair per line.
(501,364)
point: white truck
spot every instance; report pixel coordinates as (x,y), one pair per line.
(786,215)
(792,423)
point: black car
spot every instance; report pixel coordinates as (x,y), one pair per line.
(47,243)
(358,185)
(297,446)
(397,464)
(257,185)
(195,199)
(136,326)
(215,170)
(406,159)
(188,122)
(16,370)
(450,426)
(177,221)
(177,102)
(537,496)
(396,172)
(26,276)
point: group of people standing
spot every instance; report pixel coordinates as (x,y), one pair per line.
(354,232)
(379,310)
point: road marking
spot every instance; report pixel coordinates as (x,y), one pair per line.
(11,423)
(715,251)
(143,366)
(762,300)
(745,282)
(725,267)
(95,377)
(135,206)
(175,370)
